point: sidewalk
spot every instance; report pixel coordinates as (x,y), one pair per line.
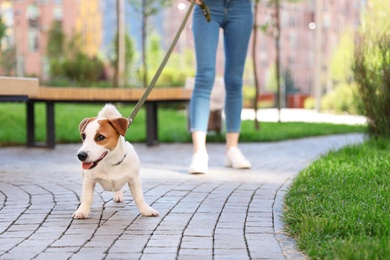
(300,115)
(226,214)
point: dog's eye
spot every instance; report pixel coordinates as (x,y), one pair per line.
(83,136)
(100,138)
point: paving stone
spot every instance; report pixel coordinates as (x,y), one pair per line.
(225,214)
(193,242)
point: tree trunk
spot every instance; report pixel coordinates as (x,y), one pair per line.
(318,55)
(277,56)
(255,65)
(119,73)
(144,30)
(121,44)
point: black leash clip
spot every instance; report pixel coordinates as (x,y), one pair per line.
(206,11)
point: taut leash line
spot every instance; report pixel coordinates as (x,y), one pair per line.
(165,60)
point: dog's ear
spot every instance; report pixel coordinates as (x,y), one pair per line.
(84,123)
(120,124)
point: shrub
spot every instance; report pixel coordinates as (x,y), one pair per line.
(343,99)
(309,103)
(80,68)
(249,94)
(171,77)
(372,74)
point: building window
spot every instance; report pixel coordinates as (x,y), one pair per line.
(293,40)
(33,39)
(32,16)
(290,60)
(32,12)
(57,13)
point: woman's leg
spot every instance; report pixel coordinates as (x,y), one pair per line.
(206,41)
(237,31)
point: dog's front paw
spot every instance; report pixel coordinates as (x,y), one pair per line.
(80,214)
(118,196)
(149,212)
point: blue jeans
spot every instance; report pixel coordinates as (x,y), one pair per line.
(235,17)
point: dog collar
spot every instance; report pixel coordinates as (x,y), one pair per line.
(116,164)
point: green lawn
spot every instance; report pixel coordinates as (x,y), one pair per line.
(172,125)
(339,207)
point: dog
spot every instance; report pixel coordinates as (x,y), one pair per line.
(108,159)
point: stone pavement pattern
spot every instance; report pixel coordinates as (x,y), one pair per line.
(226,214)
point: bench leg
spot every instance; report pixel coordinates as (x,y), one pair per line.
(151,124)
(30,112)
(50,125)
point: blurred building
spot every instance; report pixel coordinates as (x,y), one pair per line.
(28,23)
(89,22)
(297,39)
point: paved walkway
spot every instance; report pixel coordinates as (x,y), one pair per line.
(226,214)
(301,115)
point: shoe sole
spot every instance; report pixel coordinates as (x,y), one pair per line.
(228,164)
(193,171)
(197,172)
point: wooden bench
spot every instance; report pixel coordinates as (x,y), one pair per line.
(17,89)
(32,94)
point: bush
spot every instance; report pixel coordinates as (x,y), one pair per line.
(372,74)
(372,67)
(79,68)
(343,99)
(249,94)
(309,103)
(171,77)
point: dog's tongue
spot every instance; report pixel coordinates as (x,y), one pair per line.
(86,166)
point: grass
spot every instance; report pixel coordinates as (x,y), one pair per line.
(172,125)
(339,207)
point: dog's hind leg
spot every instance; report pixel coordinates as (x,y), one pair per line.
(136,190)
(118,196)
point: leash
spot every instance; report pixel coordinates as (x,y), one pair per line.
(206,13)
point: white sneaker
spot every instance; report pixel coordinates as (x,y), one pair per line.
(200,163)
(235,159)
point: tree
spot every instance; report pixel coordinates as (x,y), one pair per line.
(8,61)
(56,41)
(255,65)
(67,60)
(119,73)
(8,55)
(147,8)
(272,28)
(372,67)
(3,29)
(129,57)
(342,59)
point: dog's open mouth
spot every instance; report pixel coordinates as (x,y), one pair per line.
(91,165)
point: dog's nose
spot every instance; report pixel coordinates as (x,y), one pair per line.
(82,156)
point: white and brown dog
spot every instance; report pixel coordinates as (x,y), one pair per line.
(108,159)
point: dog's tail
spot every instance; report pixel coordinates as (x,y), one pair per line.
(109,111)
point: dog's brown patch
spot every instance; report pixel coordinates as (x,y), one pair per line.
(83,124)
(106,134)
(120,124)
